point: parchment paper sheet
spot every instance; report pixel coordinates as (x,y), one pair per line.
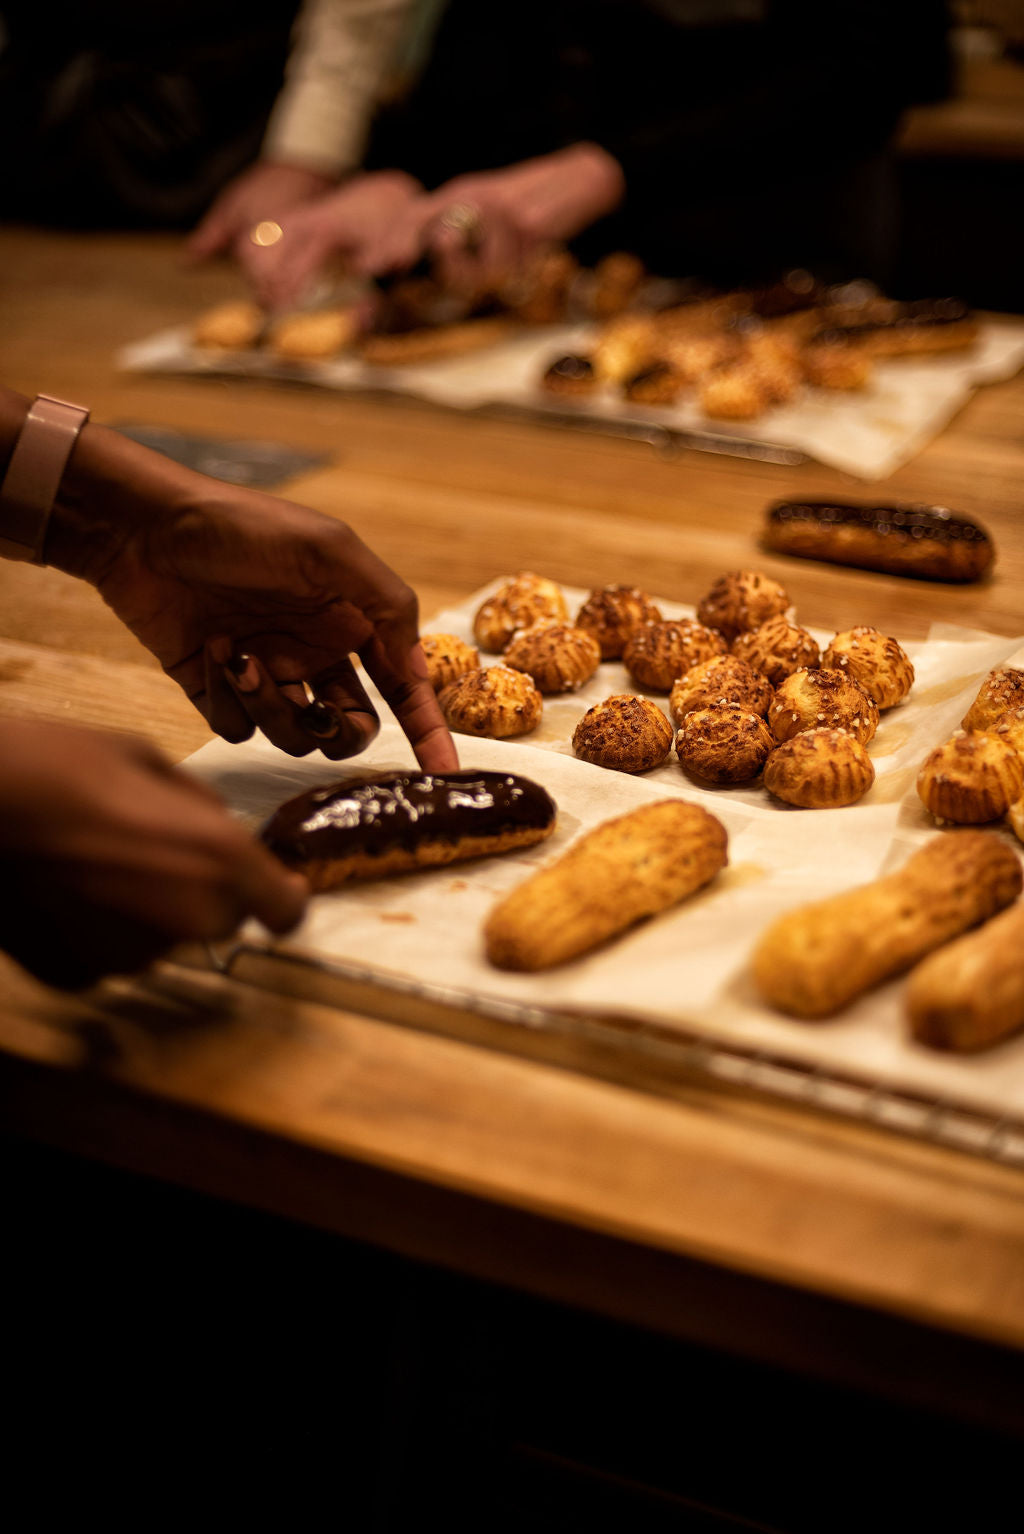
(687,968)
(866,433)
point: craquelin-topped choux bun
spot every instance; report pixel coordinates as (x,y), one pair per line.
(658,383)
(971,778)
(723,679)
(559,656)
(1009,728)
(659,653)
(613,614)
(777,648)
(808,700)
(448,657)
(724,743)
(520,602)
(742,600)
(819,769)
(623,732)
(494,701)
(1015,819)
(878,662)
(1003,688)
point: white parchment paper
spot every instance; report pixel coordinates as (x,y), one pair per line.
(866,433)
(687,969)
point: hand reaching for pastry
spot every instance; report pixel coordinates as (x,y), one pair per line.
(255,606)
(115,856)
(327,234)
(249,602)
(265,191)
(478,229)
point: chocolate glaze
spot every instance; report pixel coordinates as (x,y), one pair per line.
(376,813)
(901,523)
(794,291)
(921,314)
(571,367)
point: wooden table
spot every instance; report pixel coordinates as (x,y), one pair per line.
(762,1228)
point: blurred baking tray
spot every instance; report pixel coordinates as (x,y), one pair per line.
(866,433)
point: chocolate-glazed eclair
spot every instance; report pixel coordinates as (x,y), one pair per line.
(928,542)
(922,325)
(392,822)
(571,374)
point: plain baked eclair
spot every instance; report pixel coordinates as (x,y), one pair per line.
(614,876)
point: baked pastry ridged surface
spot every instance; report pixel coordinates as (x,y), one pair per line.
(628,868)
(815,959)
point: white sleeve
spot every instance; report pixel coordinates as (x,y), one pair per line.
(341,50)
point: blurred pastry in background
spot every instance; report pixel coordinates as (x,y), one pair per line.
(313,335)
(233,326)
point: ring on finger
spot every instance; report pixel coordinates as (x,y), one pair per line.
(464,219)
(267,232)
(318,717)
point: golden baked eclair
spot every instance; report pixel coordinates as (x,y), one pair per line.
(814,960)
(234,326)
(313,335)
(432,342)
(613,877)
(970,994)
(394,822)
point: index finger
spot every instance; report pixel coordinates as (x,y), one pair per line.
(414,704)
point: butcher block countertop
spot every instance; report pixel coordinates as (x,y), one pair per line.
(650,1194)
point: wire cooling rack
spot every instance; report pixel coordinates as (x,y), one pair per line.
(635,1052)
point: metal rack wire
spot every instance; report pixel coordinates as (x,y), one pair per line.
(686,1053)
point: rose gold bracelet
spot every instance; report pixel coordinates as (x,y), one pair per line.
(34,474)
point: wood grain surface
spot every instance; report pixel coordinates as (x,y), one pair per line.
(223,1085)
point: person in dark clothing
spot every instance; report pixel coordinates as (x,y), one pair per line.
(116,115)
(723,138)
